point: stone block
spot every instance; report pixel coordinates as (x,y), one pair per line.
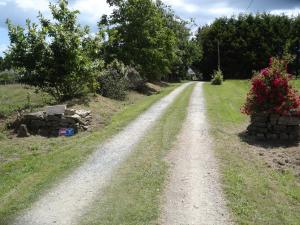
(260,118)
(70,112)
(53,117)
(284,136)
(261,136)
(281,128)
(272,136)
(260,124)
(83,113)
(37,124)
(294,121)
(285,120)
(274,117)
(23,131)
(56,110)
(34,116)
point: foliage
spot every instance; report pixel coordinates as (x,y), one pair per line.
(8,77)
(134,78)
(187,49)
(217,78)
(271,91)
(113,81)
(246,43)
(56,55)
(1,64)
(137,36)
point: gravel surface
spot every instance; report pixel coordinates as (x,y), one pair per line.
(193,194)
(64,204)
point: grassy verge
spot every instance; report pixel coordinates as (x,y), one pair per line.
(133,196)
(17,97)
(256,193)
(32,165)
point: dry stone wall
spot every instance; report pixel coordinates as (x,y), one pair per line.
(49,124)
(274,127)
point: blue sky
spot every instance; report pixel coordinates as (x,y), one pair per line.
(203,11)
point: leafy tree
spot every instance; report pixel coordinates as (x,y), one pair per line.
(56,56)
(1,64)
(137,35)
(246,43)
(187,50)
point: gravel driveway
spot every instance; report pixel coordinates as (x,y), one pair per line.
(64,204)
(193,195)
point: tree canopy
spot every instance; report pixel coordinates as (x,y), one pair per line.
(246,43)
(148,35)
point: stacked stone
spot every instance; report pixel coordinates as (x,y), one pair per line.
(41,123)
(274,127)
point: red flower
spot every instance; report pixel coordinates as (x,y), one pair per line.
(271,91)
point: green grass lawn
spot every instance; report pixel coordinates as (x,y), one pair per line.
(133,196)
(17,97)
(30,166)
(256,194)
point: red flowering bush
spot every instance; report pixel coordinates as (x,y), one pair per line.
(271,91)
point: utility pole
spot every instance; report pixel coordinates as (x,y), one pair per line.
(297,58)
(219,58)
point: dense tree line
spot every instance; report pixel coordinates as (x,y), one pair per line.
(246,43)
(63,58)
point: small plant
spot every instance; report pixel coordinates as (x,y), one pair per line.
(28,101)
(271,91)
(217,78)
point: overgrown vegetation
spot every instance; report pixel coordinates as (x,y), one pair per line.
(256,192)
(246,43)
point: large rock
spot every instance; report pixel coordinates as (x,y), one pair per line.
(34,116)
(23,131)
(56,110)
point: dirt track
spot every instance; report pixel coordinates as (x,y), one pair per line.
(193,195)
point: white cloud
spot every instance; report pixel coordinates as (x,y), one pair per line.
(91,10)
(39,5)
(182,4)
(289,12)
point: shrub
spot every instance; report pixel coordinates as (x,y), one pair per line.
(113,82)
(8,77)
(135,80)
(271,91)
(55,55)
(217,78)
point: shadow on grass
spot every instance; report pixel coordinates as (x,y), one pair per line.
(151,88)
(269,144)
